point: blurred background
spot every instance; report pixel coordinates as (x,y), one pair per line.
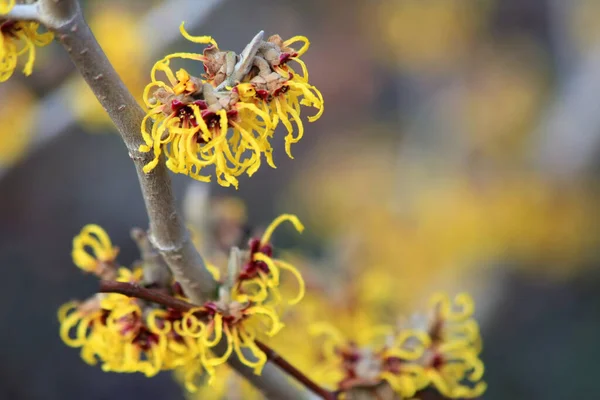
(458,150)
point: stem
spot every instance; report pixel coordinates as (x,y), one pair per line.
(152,295)
(294,372)
(167,232)
(155,296)
(55,13)
(22,12)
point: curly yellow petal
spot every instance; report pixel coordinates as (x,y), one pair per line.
(196,39)
(294,271)
(295,39)
(266,238)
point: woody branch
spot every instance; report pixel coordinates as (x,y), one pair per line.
(167,232)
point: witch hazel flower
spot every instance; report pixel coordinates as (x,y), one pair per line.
(225,118)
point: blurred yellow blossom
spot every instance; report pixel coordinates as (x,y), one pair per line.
(6,6)
(227,385)
(17,131)
(452,362)
(425,36)
(441,232)
(499,104)
(443,352)
(375,354)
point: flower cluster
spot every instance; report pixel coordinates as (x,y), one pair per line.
(18,38)
(227,117)
(127,334)
(444,354)
(116,330)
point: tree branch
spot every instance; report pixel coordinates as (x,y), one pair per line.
(271,382)
(167,232)
(56,13)
(23,12)
(151,295)
(294,372)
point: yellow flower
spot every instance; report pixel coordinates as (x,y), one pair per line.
(375,354)
(443,352)
(237,323)
(93,251)
(199,122)
(16,34)
(6,6)
(452,362)
(126,336)
(261,273)
(193,132)
(279,90)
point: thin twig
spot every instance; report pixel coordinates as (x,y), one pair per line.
(152,295)
(167,232)
(294,372)
(56,13)
(155,296)
(23,12)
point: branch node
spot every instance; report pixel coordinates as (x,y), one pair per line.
(56,14)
